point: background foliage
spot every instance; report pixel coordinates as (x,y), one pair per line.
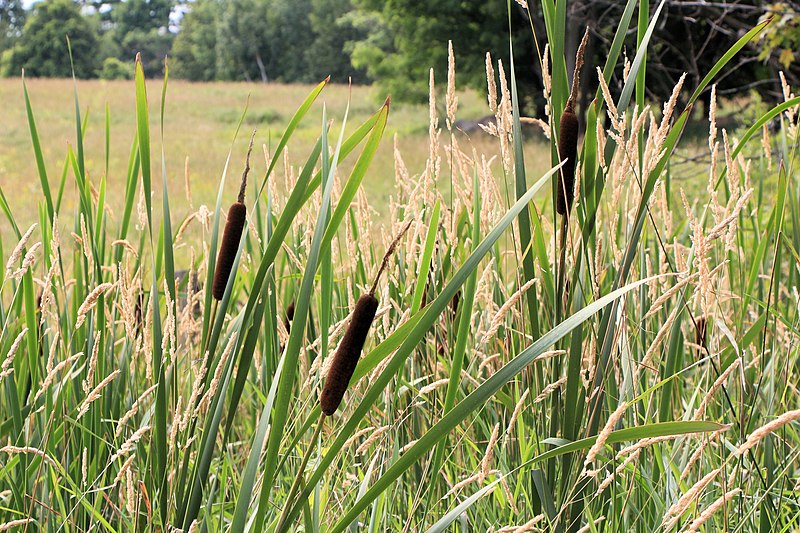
(393,42)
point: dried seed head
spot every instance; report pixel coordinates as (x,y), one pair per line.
(287,320)
(700,332)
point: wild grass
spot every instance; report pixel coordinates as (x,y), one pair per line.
(644,380)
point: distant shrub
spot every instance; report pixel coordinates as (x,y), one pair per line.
(114,69)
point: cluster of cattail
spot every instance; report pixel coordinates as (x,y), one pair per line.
(347,354)
(234,227)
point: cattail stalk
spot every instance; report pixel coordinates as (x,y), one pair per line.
(347,354)
(299,477)
(568,152)
(234,227)
(341,370)
(568,138)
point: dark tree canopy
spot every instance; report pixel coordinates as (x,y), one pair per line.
(392,42)
(194,50)
(42,48)
(412,37)
(12,19)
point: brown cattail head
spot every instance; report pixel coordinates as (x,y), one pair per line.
(287,320)
(454,303)
(700,332)
(568,138)
(237,215)
(346,357)
(234,226)
(567,149)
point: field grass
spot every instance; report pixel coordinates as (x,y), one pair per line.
(629,366)
(201,120)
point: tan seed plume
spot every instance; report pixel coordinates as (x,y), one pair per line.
(713,508)
(488,457)
(757,435)
(517,410)
(95,393)
(6,368)
(17,252)
(90,301)
(602,438)
(498,318)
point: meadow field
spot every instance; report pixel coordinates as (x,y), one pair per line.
(200,122)
(583,331)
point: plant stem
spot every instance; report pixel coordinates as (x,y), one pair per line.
(299,478)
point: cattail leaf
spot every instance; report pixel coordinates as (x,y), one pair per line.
(243,500)
(638,61)
(37,151)
(348,146)
(751,131)
(290,128)
(205,451)
(479,396)
(6,208)
(443,524)
(727,56)
(429,315)
(356,176)
(213,337)
(646,431)
(302,304)
(425,261)
(616,47)
(466,304)
(521,185)
(131,189)
(143,133)
(647,189)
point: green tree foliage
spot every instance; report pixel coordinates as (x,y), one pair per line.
(264,40)
(268,40)
(142,26)
(408,37)
(12,18)
(336,28)
(781,39)
(194,51)
(42,48)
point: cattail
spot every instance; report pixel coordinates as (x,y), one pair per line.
(568,138)
(567,149)
(287,320)
(234,226)
(700,332)
(346,357)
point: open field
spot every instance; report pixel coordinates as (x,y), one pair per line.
(200,123)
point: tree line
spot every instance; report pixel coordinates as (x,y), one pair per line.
(391,42)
